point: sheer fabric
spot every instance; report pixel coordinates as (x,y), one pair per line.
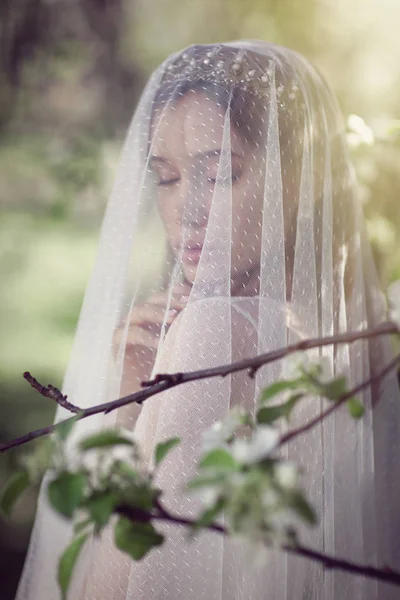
(236,199)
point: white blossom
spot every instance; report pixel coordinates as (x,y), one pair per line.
(258,447)
(270,498)
(99,461)
(208,495)
(218,434)
(294,364)
(393,294)
(287,475)
(359,132)
(297,364)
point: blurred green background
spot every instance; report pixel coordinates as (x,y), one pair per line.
(71,74)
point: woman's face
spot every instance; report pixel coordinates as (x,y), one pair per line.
(185,154)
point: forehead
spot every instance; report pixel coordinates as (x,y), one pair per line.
(193,124)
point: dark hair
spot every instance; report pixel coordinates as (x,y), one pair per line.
(247,107)
(242,108)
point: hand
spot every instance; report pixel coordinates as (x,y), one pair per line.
(142,341)
(146,319)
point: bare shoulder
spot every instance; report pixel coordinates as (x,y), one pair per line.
(166,351)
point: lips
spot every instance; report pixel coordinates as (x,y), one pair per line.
(192,251)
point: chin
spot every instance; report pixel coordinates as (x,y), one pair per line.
(189,271)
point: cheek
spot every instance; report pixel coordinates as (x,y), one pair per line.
(247,207)
(168,210)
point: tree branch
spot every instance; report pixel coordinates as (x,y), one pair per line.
(286,437)
(255,363)
(52,392)
(164,382)
(328,561)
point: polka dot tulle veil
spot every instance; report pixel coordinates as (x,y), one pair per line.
(235,211)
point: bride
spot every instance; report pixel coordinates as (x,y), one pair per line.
(233,229)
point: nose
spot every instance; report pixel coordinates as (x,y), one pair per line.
(196,204)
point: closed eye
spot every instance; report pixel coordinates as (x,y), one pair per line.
(234,177)
(168,181)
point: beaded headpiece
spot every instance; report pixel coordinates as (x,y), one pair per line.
(231,68)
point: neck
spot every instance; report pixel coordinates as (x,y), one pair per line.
(248,284)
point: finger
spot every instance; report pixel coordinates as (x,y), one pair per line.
(163,300)
(155,328)
(183,289)
(152,313)
(178,291)
(182,293)
(141,337)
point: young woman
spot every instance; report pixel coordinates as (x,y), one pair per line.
(236,203)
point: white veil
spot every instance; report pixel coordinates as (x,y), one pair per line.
(240,148)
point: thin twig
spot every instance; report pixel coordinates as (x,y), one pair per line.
(286,437)
(168,381)
(330,562)
(255,363)
(138,397)
(50,391)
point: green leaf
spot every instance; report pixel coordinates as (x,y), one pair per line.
(163,448)
(203,481)
(124,469)
(15,486)
(278,387)
(266,466)
(269,414)
(100,506)
(299,504)
(81,525)
(142,496)
(356,408)
(66,492)
(219,459)
(67,562)
(334,389)
(37,462)
(136,539)
(64,428)
(109,437)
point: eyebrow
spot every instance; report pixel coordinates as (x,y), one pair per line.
(208,154)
